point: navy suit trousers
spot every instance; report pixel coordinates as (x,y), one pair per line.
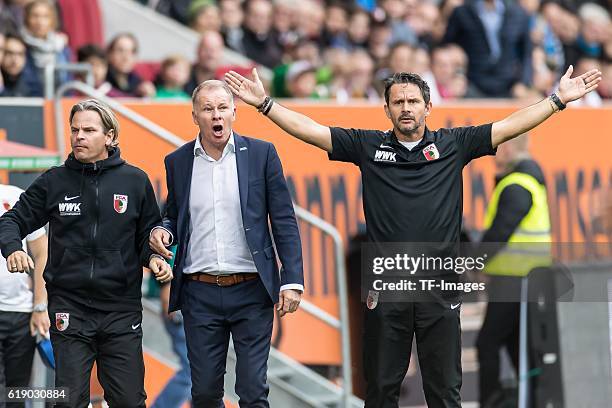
(211,313)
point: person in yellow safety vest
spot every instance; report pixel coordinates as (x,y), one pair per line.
(518,217)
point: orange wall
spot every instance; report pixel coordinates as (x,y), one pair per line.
(573,147)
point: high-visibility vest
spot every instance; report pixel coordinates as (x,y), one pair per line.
(530,244)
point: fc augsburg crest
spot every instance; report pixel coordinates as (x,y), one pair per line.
(431,152)
(62,320)
(120,203)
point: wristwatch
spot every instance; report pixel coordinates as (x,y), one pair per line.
(40,307)
(557,101)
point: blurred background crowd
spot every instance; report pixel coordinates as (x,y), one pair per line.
(336,50)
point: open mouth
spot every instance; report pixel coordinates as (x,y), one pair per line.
(217,130)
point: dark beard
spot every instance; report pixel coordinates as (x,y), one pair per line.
(410,130)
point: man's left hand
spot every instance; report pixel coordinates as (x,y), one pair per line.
(39,323)
(288,301)
(161,269)
(571,89)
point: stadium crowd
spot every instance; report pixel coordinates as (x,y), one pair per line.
(337,50)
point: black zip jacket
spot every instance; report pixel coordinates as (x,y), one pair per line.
(100,215)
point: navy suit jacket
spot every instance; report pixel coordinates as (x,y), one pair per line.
(263,195)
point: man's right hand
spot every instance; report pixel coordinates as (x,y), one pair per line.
(159,240)
(251,92)
(19,261)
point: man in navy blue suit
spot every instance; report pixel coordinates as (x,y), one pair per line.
(222,190)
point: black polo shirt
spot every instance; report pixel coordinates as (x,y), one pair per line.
(412,195)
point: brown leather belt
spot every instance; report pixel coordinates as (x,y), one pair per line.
(222,280)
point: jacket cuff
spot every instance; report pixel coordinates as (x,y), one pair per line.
(12,247)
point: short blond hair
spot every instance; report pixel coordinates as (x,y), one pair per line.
(211,84)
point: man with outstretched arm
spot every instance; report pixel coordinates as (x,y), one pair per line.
(412,192)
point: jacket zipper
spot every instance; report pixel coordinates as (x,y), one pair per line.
(94,229)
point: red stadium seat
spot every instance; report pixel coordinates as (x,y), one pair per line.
(82,22)
(147,70)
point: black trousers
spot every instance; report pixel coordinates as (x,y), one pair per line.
(389,331)
(112,339)
(500,329)
(16,352)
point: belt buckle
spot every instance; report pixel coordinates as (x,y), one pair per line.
(219,282)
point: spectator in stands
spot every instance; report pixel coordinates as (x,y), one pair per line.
(175,9)
(283,23)
(359,85)
(421,64)
(544,77)
(11,15)
(209,59)
(399,60)
(543,36)
(45,45)
(596,29)
(204,16)
(605,88)
(566,26)
(173,76)
(495,36)
(307,50)
(359,28)
(121,53)
(310,19)
(448,66)
(18,76)
(379,43)
(336,26)
(96,57)
(335,60)
(425,22)
(591,99)
(301,80)
(258,41)
(395,12)
(232,17)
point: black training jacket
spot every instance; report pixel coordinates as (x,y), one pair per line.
(100,215)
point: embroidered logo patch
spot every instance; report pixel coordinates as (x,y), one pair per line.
(431,152)
(62,320)
(120,203)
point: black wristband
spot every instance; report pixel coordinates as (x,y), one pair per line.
(555,98)
(267,109)
(264,104)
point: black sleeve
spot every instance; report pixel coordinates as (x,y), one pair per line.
(149,218)
(347,144)
(28,214)
(514,204)
(453,28)
(474,142)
